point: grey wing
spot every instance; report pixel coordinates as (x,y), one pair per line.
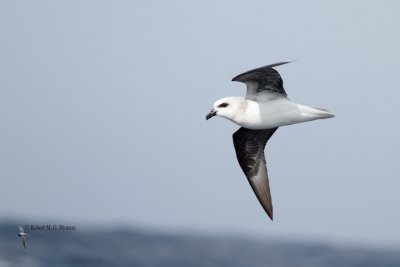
(23,239)
(21,229)
(249,146)
(262,80)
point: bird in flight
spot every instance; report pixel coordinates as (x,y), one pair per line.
(22,235)
(264,108)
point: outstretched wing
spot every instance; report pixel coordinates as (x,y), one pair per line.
(21,229)
(249,146)
(23,239)
(262,80)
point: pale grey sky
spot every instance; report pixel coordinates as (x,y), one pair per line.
(103,109)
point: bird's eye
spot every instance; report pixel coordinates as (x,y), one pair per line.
(223,105)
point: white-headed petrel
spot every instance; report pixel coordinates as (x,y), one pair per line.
(264,108)
(22,235)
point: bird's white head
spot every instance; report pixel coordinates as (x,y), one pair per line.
(227,107)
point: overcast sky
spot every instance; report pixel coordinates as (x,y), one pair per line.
(103,104)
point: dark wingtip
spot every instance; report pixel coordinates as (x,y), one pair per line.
(270,215)
(237,78)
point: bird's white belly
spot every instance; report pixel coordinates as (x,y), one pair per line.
(270,114)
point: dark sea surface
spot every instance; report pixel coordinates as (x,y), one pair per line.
(120,247)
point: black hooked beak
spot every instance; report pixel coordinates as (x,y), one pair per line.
(211,114)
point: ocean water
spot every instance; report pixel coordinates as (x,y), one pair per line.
(121,247)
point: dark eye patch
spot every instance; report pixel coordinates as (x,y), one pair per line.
(223,105)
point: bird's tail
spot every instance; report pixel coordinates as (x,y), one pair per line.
(310,113)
